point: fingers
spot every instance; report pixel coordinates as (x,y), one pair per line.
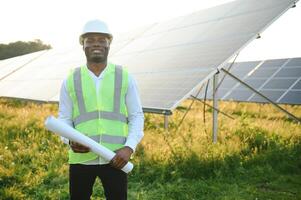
(122,157)
(118,161)
(78,148)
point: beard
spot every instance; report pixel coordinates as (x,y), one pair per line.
(98,57)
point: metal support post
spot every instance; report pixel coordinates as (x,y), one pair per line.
(165,122)
(215,105)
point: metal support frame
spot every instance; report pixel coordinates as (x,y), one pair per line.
(218,110)
(263,96)
(157,111)
(215,105)
(165,122)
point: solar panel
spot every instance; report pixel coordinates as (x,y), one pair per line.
(273,63)
(41,78)
(292,97)
(168,59)
(122,40)
(297,85)
(10,65)
(198,41)
(271,94)
(241,70)
(277,83)
(244,67)
(240,95)
(294,62)
(278,79)
(253,82)
(289,72)
(263,72)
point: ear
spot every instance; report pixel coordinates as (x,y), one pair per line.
(84,45)
(109,41)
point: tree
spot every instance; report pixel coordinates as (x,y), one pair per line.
(20,48)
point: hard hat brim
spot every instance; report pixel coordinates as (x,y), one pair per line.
(82,37)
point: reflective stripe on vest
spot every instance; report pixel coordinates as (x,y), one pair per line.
(99,113)
(108,139)
(86,116)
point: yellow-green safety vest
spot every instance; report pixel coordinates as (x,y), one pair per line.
(101,116)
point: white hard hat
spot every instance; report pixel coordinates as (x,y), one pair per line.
(95,26)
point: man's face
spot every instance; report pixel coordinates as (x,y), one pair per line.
(96,47)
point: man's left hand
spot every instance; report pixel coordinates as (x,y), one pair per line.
(122,157)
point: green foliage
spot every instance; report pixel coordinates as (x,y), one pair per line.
(258,156)
(20,48)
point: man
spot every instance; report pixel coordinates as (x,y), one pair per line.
(100,100)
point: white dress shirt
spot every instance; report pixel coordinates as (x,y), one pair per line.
(133,104)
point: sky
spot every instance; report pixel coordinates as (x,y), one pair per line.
(59,22)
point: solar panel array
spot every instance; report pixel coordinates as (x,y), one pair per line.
(41,78)
(278,79)
(11,65)
(168,59)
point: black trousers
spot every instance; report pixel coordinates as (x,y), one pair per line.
(82,178)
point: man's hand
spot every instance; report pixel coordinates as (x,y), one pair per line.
(122,157)
(78,148)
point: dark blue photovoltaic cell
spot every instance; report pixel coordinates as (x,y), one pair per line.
(273,95)
(289,72)
(239,95)
(240,73)
(228,83)
(298,85)
(273,63)
(222,92)
(263,72)
(253,82)
(292,97)
(294,62)
(242,66)
(279,84)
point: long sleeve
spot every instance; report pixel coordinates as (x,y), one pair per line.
(65,108)
(135,115)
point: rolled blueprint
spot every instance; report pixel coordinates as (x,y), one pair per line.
(72,134)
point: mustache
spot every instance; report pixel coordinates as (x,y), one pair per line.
(97,59)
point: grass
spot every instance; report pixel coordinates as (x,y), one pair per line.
(257,156)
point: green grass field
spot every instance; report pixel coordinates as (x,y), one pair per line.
(258,155)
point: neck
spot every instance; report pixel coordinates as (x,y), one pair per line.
(96,68)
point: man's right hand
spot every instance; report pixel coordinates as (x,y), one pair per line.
(78,148)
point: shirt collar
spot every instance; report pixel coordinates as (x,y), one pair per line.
(101,73)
